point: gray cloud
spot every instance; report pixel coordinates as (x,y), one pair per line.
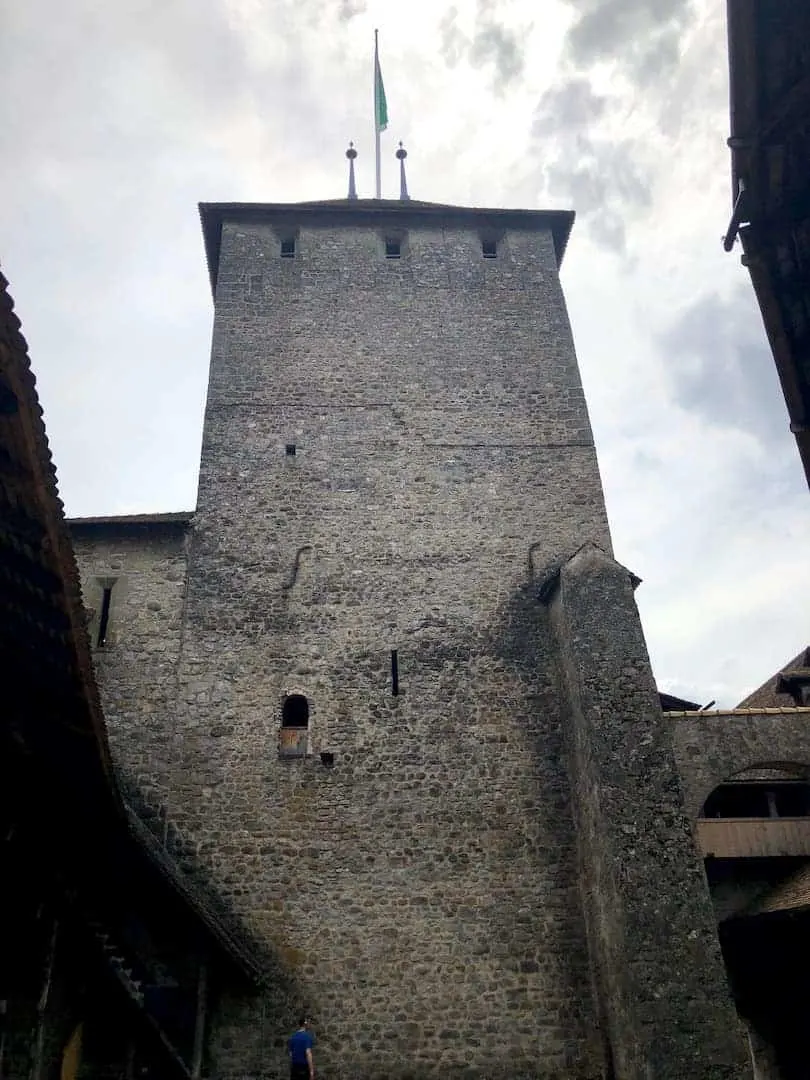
(350,9)
(720,367)
(454,43)
(610,178)
(496,44)
(491,43)
(568,106)
(642,37)
(606,178)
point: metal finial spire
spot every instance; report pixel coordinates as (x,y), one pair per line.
(351,154)
(402,153)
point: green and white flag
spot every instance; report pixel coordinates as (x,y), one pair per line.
(380,104)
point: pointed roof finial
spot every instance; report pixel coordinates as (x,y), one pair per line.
(351,154)
(402,153)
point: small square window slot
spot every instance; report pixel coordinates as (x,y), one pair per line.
(289,449)
(288,248)
(489,249)
(393,249)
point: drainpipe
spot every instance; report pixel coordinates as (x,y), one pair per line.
(734,224)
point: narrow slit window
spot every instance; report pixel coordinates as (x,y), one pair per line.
(394,673)
(393,249)
(288,248)
(295,712)
(489,249)
(104,617)
(289,449)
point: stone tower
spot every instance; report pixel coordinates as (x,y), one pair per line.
(395,432)
(406,717)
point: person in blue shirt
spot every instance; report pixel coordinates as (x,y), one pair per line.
(299,1047)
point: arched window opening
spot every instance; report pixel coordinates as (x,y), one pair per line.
(761,798)
(295,712)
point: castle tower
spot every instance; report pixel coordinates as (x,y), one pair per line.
(387,743)
(395,433)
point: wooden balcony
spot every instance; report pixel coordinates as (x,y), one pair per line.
(748,838)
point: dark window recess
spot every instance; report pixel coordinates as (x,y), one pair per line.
(289,449)
(104,617)
(758,800)
(394,673)
(288,249)
(791,800)
(392,249)
(489,249)
(327,759)
(295,711)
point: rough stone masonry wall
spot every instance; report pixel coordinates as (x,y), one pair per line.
(711,747)
(661,981)
(420,895)
(136,668)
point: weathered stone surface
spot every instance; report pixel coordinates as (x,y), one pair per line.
(145,568)
(651,927)
(426,884)
(712,747)
(419,891)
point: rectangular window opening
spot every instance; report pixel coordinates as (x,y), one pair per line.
(104,618)
(394,673)
(289,449)
(288,249)
(392,249)
(489,249)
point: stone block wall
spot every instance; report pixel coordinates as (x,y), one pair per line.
(711,747)
(143,561)
(659,974)
(420,891)
(391,449)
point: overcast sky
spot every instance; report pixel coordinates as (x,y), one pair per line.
(117,118)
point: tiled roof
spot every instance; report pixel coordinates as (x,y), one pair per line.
(44,648)
(51,706)
(792,894)
(767,696)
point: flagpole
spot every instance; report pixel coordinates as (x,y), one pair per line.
(376,118)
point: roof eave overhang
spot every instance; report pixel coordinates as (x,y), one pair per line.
(742,87)
(748,164)
(181,519)
(781,348)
